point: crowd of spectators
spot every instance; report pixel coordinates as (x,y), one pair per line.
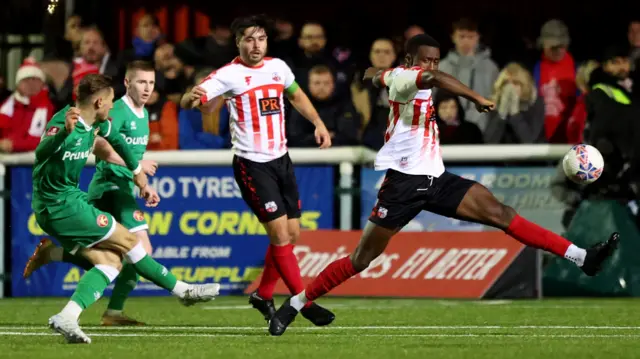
(559,100)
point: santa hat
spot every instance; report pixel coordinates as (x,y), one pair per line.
(29,68)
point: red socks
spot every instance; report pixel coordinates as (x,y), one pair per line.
(533,235)
(269,278)
(287,265)
(335,274)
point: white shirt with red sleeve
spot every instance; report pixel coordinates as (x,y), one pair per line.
(254,96)
(412,143)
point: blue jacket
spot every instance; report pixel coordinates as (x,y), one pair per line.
(192,136)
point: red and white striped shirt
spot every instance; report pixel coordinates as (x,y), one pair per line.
(412,143)
(256,106)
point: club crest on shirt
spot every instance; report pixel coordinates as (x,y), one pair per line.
(52,131)
(102,220)
(247,79)
(138,216)
(404,161)
(276,77)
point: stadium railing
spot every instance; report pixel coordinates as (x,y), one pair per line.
(345,157)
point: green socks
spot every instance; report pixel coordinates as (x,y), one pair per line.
(125,283)
(155,272)
(90,288)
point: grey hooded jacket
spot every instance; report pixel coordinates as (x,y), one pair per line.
(478,72)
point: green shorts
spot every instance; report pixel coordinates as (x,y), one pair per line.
(124,208)
(81,226)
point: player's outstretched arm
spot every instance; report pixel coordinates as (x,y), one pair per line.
(435,78)
(302,104)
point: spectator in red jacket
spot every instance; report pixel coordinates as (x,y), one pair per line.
(555,76)
(24,115)
(578,119)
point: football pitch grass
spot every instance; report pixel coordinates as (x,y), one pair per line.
(364,328)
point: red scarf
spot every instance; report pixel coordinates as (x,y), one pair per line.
(577,121)
(558,89)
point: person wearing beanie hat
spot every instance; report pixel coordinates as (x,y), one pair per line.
(24,115)
(29,69)
(616,62)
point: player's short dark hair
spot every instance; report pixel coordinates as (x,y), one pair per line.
(414,43)
(240,24)
(139,65)
(320,69)
(465,24)
(90,85)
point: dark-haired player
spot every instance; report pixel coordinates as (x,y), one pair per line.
(416,181)
(253,86)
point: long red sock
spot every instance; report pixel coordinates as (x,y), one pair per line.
(269,278)
(287,265)
(535,236)
(332,276)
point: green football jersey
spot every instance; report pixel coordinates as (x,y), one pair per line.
(135,132)
(61,156)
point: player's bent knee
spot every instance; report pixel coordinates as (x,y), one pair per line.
(278,231)
(294,236)
(130,241)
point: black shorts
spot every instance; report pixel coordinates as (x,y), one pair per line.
(269,188)
(402,197)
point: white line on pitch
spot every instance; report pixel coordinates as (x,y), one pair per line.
(195,335)
(431,327)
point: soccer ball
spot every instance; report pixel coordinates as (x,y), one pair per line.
(583,164)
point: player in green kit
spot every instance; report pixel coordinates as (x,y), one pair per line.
(111,189)
(62,210)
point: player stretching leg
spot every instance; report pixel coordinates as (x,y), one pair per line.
(111,189)
(62,210)
(253,86)
(416,180)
